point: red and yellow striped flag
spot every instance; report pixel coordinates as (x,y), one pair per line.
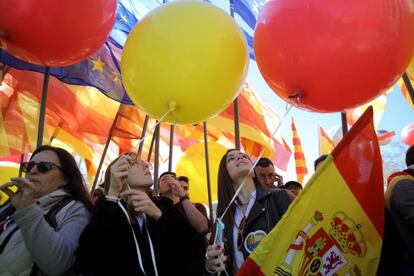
(326,145)
(335,226)
(301,169)
(403,87)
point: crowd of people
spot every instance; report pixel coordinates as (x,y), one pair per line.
(51,226)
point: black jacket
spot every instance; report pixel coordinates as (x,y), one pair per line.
(268,209)
(106,247)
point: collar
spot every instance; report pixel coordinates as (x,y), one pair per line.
(252,198)
(52,197)
(262,191)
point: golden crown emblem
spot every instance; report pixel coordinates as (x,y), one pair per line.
(347,234)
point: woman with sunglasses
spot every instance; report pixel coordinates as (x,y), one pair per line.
(252,215)
(131,233)
(33,242)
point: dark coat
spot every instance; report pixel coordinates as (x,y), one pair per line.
(106,247)
(267,210)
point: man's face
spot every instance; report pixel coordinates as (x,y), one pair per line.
(184,185)
(267,175)
(165,183)
(295,191)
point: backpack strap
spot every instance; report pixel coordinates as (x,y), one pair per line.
(50,217)
(8,237)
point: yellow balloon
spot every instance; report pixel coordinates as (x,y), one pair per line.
(8,170)
(187,57)
(193,165)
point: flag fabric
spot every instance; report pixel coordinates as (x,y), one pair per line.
(257,120)
(300,162)
(404,89)
(325,143)
(385,137)
(102,69)
(378,104)
(335,225)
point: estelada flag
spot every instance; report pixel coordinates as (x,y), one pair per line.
(335,225)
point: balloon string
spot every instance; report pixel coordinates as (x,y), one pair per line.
(254,164)
(152,129)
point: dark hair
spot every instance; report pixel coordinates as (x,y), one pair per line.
(292,184)
(184,178)
(166,173)
(319,160)
(264,162)
(409,156)
(70,170)
(225,193)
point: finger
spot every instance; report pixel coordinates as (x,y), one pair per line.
(132,193)
(221,267)
(125,160)
(7,189)
(141,209)
(23,183)
(217,261)
(18,179)
(120,174)
(140,203)
(214,253)
(122,167)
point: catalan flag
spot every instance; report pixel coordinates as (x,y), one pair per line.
(301,169)
(378,104)
(404,90)
(325,143)
(335,225)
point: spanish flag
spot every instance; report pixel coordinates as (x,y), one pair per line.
(301,169)
(335,226)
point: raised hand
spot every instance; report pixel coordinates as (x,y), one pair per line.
(119,175)
(215,258)
(141,203)
(25,194)
(174,185)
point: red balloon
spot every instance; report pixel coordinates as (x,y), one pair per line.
(407,134)
(335,54)
(53,32)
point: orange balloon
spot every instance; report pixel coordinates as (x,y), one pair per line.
(328,56)
(55,33)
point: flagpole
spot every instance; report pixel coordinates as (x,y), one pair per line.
(143,132)
(210,201)
(156,157)
(43,107)
(21,157)
(319,140)
(409,86)
(236,101)
(55,132)
(344,123)
(151,146)
(170,158)
(108,140)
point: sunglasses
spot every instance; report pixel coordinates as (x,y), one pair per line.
(240,230)
(42,167)
(185,188)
